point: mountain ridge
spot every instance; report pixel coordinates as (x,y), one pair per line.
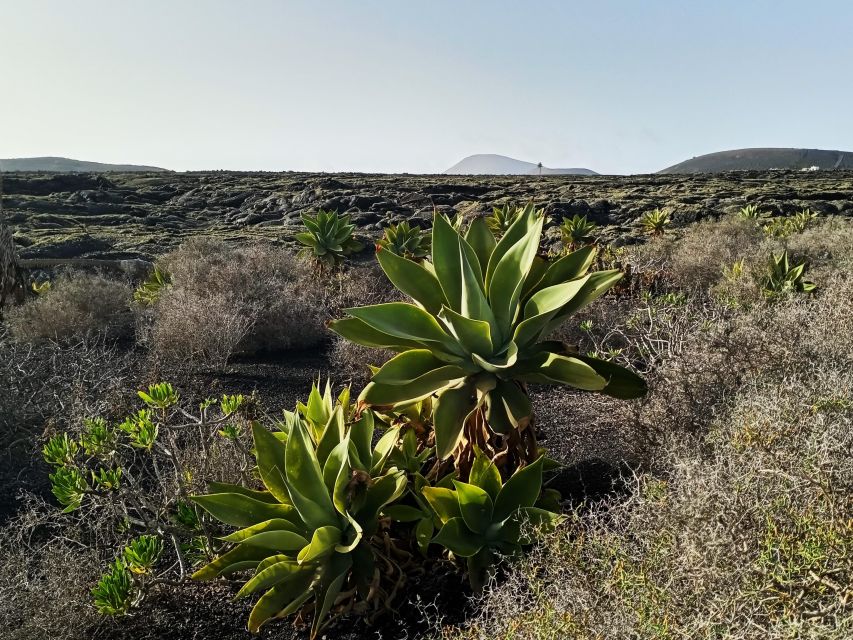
(58,164)
(494,164)
(764,159)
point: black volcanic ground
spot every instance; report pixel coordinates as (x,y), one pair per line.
(142,215)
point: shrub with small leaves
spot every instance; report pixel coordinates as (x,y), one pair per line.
(159,396)
(141,553)
(114,593)
(60,450)
(141,429)
(98,438)
(69,486)
(108,479)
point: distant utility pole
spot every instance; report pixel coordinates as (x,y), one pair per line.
(540,169)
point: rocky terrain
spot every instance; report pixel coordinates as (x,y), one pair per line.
(141,215)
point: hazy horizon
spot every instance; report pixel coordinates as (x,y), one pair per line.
(381,87)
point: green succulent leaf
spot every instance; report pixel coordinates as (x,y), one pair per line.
(458,538)
(521,490)
(475,505)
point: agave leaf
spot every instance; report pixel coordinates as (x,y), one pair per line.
(517,230)
(509,275)
(475,336)
(569,267)
(534,277)
(383,449)
(402,513)
(361,435)
(360,332)
(224,487)
(485,474)
(542,307)
(278,541)
(621,382)
(521,490)
(322,543)
(596,285)
(482,241)
(423,534)
(242,511)
(446,261)
(282,599)
(507,406)
(409,366)
(337,459)
(406,321)
(412,279)
(552,368)
(243,555)
(275,524)
(476,506)
(450,411)
(388,395)
(305,480)
(458,538)
(332,436)
(269,452)
(383,491)
(270,576)
(329,590)
(443,501)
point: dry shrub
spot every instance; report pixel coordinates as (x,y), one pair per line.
(749,535)
(77,305)
(229,300)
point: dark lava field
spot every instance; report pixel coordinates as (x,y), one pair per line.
(133,215)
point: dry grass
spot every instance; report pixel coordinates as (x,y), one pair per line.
(77,305)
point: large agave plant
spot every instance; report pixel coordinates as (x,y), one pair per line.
(309,535)
(328,237)
(476,334)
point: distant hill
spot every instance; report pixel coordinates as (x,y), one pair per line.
(764,159)
(67,165)
(491,164)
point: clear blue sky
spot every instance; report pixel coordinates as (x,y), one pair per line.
(619,86)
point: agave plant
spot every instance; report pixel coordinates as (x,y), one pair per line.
(149,292)
(406,241)
(328,237)
(502,218)
(577,231)
(486,518)
(655,222)
(476,334)
(309,535)
(783,278)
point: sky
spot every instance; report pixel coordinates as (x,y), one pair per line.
(402,86)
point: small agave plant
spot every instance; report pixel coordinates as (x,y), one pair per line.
(328,237)
(502,218)
(406,241)
(310,535)
(655,222)
(783,278)
(476,333)
(577,231)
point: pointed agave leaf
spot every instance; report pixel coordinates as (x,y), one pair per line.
(305,480)
(458,538)
(517,230)
(383,449)
(423,534)
(360,332)
(332,436)
(361,435)
(520,491)
(450,411)
(278,541)
(381,395)
(621,382)
(383,491)
(507,406)
(446,262)
(270,576)
(322,543)
(533,281)
(542,307)
(569,267)
(412,279)
(475,505)
(338,458)
(406,321)
(552,368)
(281,600)
(275,524)
(329,591)
(443,501)
(475,336)
(509,275)
(485,474)
(408,366)
(402,513)
(498,363)
(241,556)
(270,453)
(224,487)
(482,241)
(596,286)
(242,511)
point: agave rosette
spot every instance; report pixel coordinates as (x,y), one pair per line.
(475,332)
